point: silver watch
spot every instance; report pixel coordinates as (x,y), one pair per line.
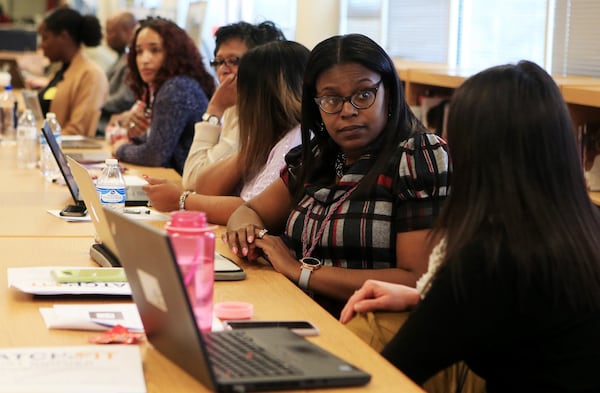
(309,265)
(211,119)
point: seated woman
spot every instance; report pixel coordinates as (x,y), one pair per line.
(172,87)
(357,201)
(512,288)
(269,85)
(78,90)
(217,135)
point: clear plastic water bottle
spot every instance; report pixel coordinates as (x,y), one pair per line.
(27,140)
(8,112)
(111,185)
(48,164)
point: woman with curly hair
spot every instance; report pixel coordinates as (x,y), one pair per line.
(172,86)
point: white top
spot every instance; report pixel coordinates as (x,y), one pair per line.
(211,143)
(270,172)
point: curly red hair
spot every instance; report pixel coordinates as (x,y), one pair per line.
(182,57)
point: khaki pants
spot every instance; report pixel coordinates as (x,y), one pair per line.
(377,329)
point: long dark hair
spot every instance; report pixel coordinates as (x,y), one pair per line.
(269,99)
(518,179)
(319,154)
(181,57)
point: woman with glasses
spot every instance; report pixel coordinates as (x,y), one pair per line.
(217,135)
(357,200)
(172,86)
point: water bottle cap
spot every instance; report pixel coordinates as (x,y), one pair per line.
(187,221)
(111,161)
(50,115)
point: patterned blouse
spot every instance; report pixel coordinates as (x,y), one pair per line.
(361,233)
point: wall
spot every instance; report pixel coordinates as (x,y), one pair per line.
(316,20)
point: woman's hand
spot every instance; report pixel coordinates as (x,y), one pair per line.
(241,241)
(379,295)
(279,255)
(136,120)
(163,194)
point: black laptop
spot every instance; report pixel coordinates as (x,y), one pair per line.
(224,361)
(135,196)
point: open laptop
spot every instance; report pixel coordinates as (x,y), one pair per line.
(159,293)
(135,195)
(30,98)
(104,252)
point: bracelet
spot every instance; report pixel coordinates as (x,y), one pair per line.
(183,197)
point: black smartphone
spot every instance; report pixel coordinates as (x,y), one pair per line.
(302,328)
(74,211)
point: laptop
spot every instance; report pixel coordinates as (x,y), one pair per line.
(17,81)
(158,291)
(104,252)
(30,98)
(135,195)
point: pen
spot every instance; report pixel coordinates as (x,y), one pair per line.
(137,211)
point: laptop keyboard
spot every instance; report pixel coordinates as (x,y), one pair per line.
(235,354)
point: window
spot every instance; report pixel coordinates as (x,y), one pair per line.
(560,35)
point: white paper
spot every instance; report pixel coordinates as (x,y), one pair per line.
(39,281)
(98,317)
(72,369)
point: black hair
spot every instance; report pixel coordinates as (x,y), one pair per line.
(518,182)
(251,35)
(84,29)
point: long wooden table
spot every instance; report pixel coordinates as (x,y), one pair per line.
(29,236)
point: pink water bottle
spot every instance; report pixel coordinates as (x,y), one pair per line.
(194,245)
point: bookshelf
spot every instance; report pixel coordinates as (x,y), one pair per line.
(581,93)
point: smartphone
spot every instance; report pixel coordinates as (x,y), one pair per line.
(302,328)
(100,274)
(74,211)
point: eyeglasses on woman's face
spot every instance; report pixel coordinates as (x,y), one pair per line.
(229,62)
(361,99)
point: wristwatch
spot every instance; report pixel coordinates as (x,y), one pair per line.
(211,119)
(309,265)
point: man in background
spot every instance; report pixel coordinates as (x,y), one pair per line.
(120,29)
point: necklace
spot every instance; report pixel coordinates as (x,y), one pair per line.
(309,247)
(340,164)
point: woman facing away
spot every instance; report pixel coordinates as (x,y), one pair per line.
(357,200)
(513,288)
(78,90)
(172,87)
(269,85)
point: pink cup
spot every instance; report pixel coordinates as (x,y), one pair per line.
(194,245)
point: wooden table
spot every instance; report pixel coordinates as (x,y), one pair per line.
(31,237)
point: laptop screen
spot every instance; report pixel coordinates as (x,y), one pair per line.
(63,165)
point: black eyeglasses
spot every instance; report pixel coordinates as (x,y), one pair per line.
(230,62)
(362,99)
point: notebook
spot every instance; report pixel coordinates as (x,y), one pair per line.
(135,196)
(30,98)
(104,252)
(170,326)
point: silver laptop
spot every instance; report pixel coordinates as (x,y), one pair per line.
(292,362)
(135,195)
(104,252)
(30,98)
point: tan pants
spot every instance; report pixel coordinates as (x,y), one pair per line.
(377,329)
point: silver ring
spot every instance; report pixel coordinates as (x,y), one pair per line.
(262,233)
(131,124)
